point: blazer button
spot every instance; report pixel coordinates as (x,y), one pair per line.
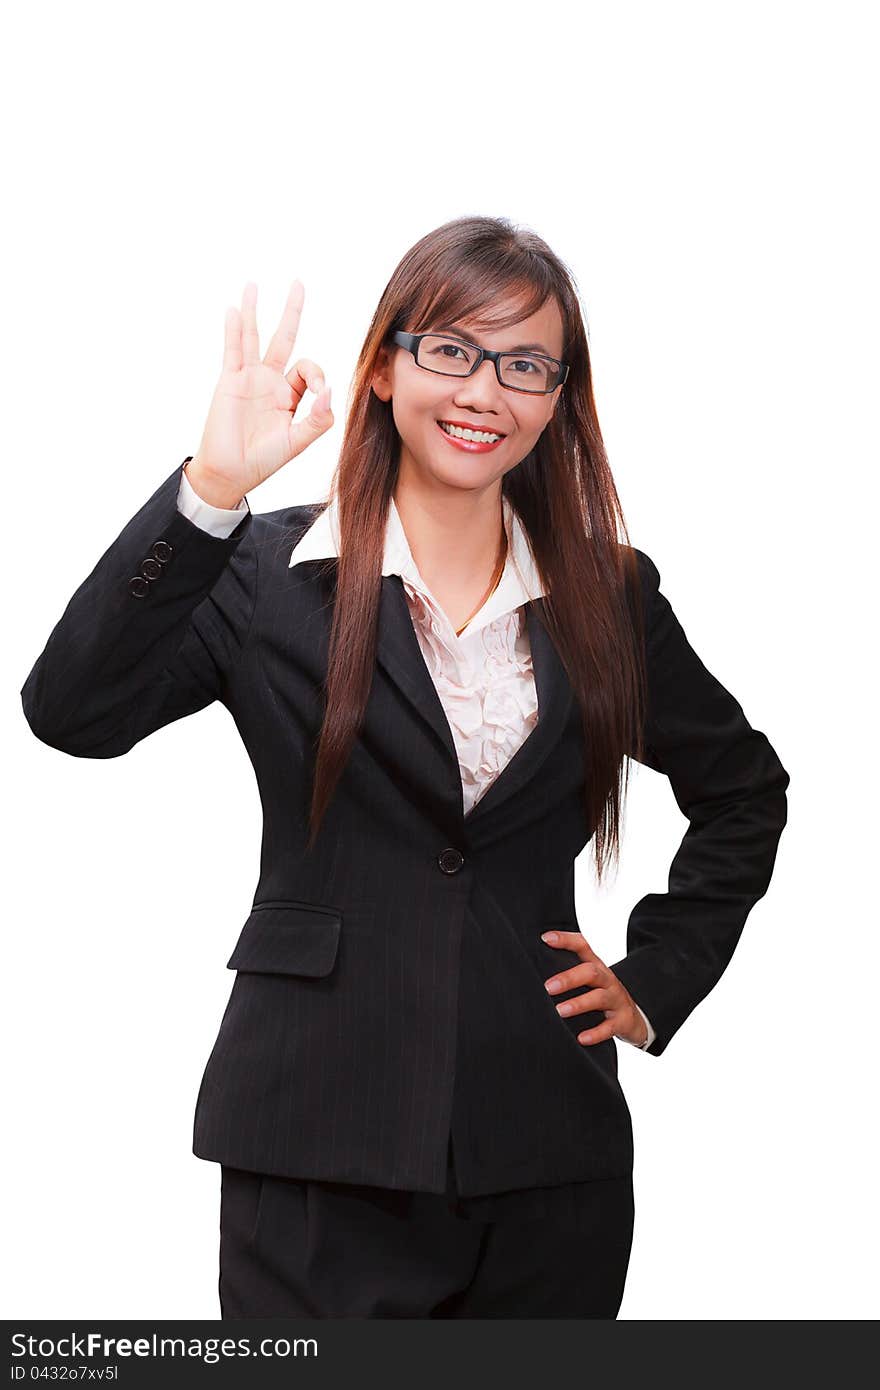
(151,568)
(162,551)
(450,860)
(138,585)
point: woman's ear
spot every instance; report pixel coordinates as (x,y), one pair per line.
(382,375)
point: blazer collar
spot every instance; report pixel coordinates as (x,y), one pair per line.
(520,580)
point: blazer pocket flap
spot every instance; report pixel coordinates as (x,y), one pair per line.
(289,939)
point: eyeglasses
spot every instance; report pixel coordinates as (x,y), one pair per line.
(519,371)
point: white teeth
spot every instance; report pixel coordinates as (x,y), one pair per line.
(476,436)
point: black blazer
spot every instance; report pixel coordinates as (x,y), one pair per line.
(389,988)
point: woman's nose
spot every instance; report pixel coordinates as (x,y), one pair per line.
(481,387)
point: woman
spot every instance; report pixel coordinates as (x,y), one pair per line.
(439,677)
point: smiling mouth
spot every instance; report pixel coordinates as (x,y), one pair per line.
(486,439)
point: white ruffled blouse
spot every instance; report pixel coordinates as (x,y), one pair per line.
(486,686)
(483,677)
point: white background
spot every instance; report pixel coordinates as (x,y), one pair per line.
(708,174)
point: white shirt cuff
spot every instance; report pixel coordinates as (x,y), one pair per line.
(643,1047)
(218,521)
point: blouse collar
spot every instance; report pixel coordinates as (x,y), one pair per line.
(520,581)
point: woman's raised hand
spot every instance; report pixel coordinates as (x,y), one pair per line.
(250,431)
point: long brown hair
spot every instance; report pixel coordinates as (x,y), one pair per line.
(562,491)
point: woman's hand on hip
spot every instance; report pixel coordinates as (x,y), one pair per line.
(604,992)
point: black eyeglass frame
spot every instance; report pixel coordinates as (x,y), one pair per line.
(411,342)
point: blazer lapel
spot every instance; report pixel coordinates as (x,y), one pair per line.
(398,651)
(400,655)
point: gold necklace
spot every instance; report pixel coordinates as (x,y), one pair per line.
(493,584)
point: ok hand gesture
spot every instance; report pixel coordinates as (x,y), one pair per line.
(250,431)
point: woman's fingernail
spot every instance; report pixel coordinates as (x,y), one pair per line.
(549,936)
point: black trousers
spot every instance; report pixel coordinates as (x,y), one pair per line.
(304,1248)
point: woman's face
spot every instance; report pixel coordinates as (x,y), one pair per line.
(420,399)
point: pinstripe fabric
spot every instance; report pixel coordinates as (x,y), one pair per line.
(381,1005)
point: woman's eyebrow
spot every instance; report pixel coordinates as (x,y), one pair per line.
(519,347)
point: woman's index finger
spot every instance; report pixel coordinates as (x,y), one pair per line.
(284,337)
